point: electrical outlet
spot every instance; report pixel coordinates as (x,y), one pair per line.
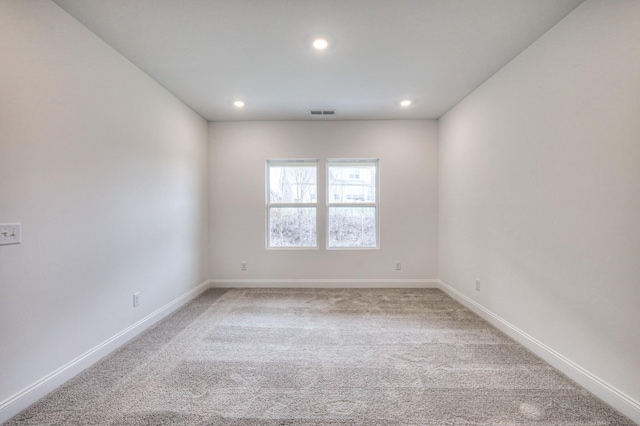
(136,299)
(398,265)
(10,233)
(243,265)
(477,284)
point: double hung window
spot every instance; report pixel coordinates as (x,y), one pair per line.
(351,217)
(292,203)
(352,203)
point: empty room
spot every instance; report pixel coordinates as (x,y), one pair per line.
(296,212)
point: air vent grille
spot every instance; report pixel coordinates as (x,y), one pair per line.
(322,112)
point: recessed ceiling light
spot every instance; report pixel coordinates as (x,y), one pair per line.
(405,103)
(239,104)
(320,43)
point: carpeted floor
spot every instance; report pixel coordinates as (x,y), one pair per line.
(321,357)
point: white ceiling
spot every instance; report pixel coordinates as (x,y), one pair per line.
(211,52)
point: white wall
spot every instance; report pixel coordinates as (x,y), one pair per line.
(107,173)
(540,192)
(408,154)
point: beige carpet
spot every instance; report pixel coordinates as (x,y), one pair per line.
(321,357)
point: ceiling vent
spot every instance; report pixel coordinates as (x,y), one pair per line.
(321,112)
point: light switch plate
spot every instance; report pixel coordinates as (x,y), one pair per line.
(10,233)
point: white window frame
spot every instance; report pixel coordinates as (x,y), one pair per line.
(330,203)
(269,205)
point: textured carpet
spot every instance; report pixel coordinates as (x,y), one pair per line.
(321,357)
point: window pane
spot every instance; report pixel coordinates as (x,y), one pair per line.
(292,227)
(352,183)
(292,183)
(352,226)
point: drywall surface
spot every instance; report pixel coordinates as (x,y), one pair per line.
(107,173)
(540,192)
(407,151)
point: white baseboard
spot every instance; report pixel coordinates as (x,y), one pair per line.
(23,399)
(325,283)
(609,394)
